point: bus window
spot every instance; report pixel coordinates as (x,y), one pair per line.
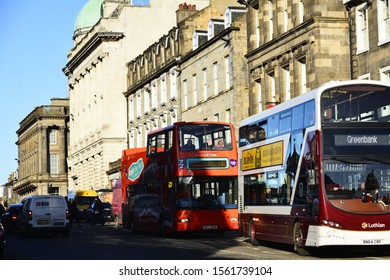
(273,125)
(253,133)
(161,143)
(206,136)
(285,122)
(152,145)
(309,119)
(297,118)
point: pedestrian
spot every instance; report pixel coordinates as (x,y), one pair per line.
(74,213)
(97,211)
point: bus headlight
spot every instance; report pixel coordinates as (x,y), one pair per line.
(331,224)
(184,220)
(233,219)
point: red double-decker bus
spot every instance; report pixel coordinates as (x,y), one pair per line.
(185,180)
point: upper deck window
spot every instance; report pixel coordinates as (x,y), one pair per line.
(356,103)
(205,137)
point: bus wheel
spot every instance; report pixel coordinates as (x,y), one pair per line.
(298,240)
(252,234)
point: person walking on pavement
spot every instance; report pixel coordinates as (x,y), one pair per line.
(73,213)
(97,211)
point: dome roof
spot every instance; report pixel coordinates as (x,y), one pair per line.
(89,15)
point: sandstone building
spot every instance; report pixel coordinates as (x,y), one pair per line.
(42,151)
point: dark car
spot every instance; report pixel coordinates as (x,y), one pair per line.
(95,216)
(2,242)
(10,217)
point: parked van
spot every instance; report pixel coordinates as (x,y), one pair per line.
(44,213)
(84,198)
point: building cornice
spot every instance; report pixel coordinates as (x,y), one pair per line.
(97,39)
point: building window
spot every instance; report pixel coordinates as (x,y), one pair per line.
(257,29)
(185,92)
(138,100)
(227,71)
(53,190)
(53,136)
(301,11)
(139,139)
(216,117)
(362,28)
(272,85)
(215,69)
(163,86)
(132,138)
(228,116)
(383,21)
(53,164)
(146,101)
(131,109)
(195,91)
(259,96)
(271,20)
(302,64)
(287,88)
(204,71)
(154,95)
(172,85)
(385,74)
(285,15)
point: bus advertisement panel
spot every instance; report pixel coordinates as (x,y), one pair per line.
(315,170)
(185,180)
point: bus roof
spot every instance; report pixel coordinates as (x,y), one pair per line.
(308,96)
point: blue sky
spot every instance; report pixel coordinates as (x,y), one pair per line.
(35,37)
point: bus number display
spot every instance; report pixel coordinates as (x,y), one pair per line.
(207,163)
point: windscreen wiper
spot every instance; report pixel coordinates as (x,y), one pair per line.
(341,160)
(375,160)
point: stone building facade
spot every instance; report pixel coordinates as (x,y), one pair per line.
(370,39)
(108,33)
(293,47)
(42,151)
(196,71)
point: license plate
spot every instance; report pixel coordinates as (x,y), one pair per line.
(42,222)
(372,241)
(210,227)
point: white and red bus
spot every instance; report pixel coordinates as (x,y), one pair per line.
(315,171)
(174,185)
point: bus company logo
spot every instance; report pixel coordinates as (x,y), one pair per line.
(374,225)
(233,163)
(135,169)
